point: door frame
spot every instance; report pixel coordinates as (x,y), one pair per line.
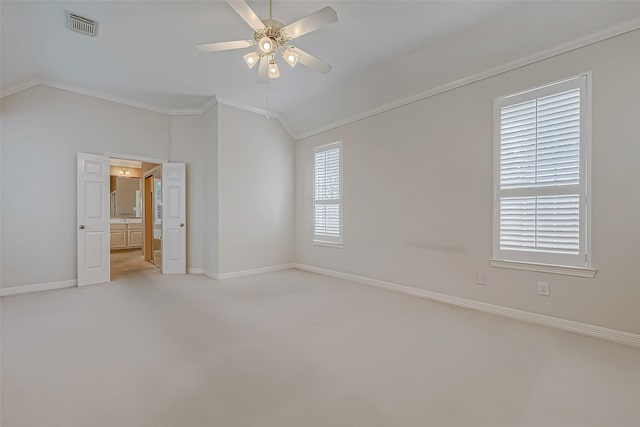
(149,174)
(147,218)
(144,159)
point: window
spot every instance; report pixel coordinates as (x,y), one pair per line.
(327,190)
(541,176)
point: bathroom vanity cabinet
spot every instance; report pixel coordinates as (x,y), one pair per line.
(126,234)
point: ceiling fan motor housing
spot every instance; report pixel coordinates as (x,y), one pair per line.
(273,30)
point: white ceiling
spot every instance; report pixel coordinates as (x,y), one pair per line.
(381,51)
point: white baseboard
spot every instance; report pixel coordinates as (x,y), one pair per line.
(620,337)
(210,274)
(253,271)
(37,287)
(195,271)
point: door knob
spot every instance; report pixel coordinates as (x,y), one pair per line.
(81,227)
(181,225)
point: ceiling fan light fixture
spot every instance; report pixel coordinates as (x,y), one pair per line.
(271,37)
(274,71)
(290,56)
(251,59)
(266,45)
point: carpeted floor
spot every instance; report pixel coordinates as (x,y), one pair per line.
(296,349)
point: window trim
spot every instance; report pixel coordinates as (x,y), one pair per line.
(319,240)
(576,265)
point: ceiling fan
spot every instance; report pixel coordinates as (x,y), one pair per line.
(272,37)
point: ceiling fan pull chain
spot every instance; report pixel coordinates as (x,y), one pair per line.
(268,115)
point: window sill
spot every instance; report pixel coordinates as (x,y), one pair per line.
(545,268)
(328,244)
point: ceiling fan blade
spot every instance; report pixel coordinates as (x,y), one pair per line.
(312,62)
(247,14)
(215,47)
(263,69)
(309,23)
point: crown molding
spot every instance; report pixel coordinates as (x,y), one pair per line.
(11,90)
(261,112)
(213,101)
(81,91)
(18,87)
(615,31)
(195,111)
(209,104)
(105,96)
(246,107)
(185,112)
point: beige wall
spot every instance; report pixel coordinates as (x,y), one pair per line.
(418,185)
(244,184)
(210,246)
(187,141)
(256,191)
(45,128)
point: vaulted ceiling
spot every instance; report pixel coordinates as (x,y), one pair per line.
(381,51)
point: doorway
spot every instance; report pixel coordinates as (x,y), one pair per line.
(132,218)
(95,215)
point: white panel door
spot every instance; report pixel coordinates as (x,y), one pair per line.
(174,236)
(93,219)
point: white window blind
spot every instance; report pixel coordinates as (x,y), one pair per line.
(327,194)
(541,175)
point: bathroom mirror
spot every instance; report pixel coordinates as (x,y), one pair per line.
(126,197)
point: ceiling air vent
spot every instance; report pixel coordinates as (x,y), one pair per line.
(82,25)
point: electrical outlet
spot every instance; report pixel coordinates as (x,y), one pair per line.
(329,254)
(481,279)
(543,288)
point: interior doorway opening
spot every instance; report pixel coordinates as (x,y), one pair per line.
(136,218)
(95,215)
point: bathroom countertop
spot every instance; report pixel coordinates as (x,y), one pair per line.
(126,220)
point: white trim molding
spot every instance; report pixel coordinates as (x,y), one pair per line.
(251,109)
(195,271)
(104,96)
(213,101)
(37,287)
(328,244)
(615,31)
(186,112)
(10,90)
(613,335)
(210,274)
(545,268)
(108,97)
(250,272)
(209,105)
(253,271)
(136,158)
